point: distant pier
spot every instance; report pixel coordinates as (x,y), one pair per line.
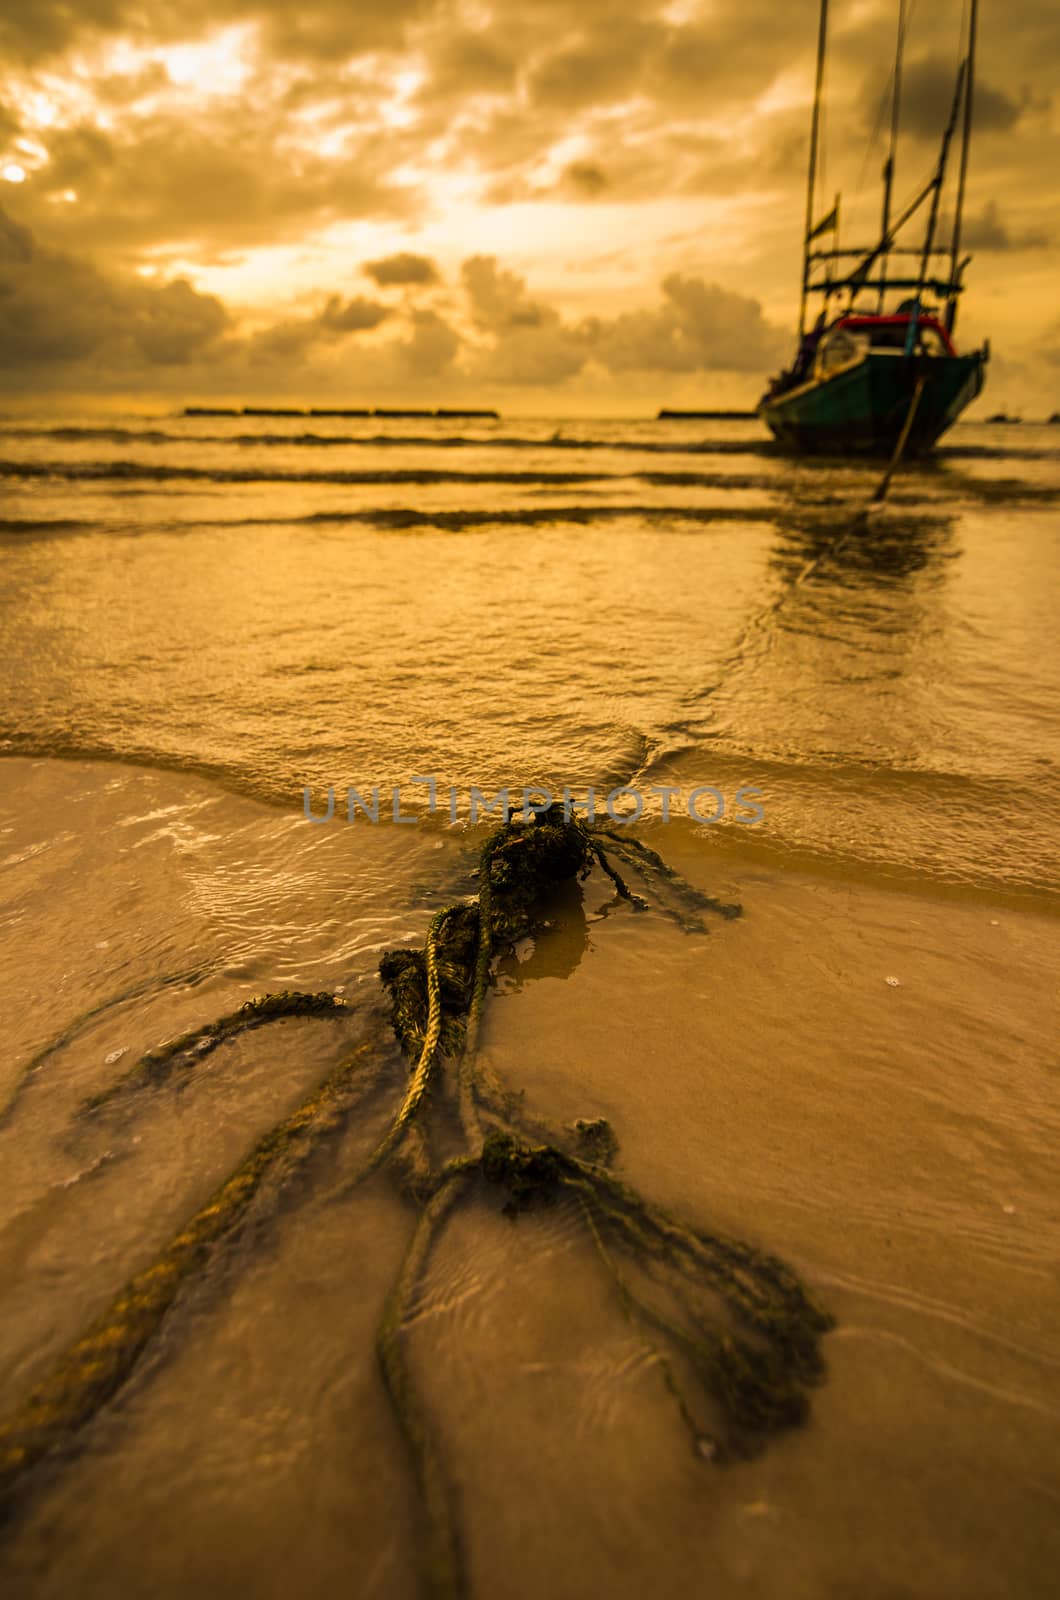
(707,416)
(333,411)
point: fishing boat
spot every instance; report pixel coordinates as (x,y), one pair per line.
(878,371)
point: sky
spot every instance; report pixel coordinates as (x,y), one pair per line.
(574,206)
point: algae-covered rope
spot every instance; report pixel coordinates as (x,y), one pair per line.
(442,1564)
(421,1073)
(135,991)
(624,891)
(189,1049)
(903,439)
(92,1371)
(469,1076)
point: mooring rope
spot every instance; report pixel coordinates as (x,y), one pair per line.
(903,439)
(442,1564)
(102,1360)
(422,1071)
(469,1076)
(135,991)
(758,625)
(189,1049)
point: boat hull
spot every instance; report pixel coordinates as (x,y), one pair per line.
(861,409)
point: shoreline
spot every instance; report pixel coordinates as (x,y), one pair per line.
(756,847)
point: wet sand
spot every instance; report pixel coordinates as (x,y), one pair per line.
(896,1142)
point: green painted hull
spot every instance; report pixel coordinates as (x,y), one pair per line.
(861,409)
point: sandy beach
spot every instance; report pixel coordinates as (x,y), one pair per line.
(856,1076)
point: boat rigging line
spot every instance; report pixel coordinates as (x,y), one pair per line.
(888,167)
(957,267)
(811,180)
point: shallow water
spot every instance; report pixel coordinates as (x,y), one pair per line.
(636,603)
(203,616)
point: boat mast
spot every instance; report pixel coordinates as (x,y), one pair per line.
(966,134)
(936,186)
(811,180)
(888,170)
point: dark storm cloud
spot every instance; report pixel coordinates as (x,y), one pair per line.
(404,269)
(928,84)
(55,308)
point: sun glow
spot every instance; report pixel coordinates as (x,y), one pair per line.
(218,66)
(398,112)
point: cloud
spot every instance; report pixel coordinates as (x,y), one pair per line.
(30,33)
(173,322)
(351,316)
(499,300)
(989,231)
(16,242)
(58,309)
(432,347)
(607,62)
(402,269)
(730,56)
(351,113)
(526,341)
(928,84)
(699,327)
(586,178)
(9,125)
(212,182)
(335,320)
(331,30)
(471,61)
(313,30)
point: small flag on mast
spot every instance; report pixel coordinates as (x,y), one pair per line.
(828,224)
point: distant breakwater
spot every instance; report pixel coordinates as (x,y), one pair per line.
(332,411)
(666,415)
